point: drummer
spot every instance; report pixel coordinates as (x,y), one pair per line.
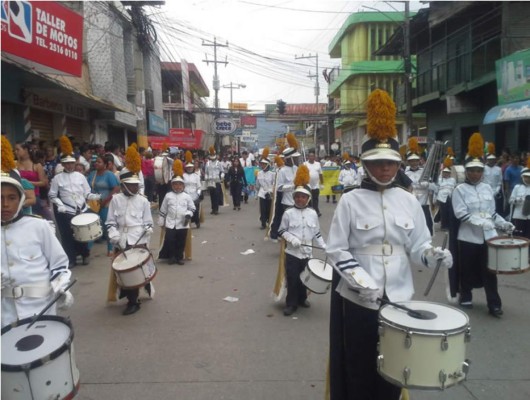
(519,200)
(34,264)
(129,223)
(474,207)
(299,227)
(378,230)
(69,191)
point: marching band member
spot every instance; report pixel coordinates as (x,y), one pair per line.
(69,191)
(520,201)
(192,186)
(265,185)
(474,207)
(493,177)
(285,183)
(443,191)
(379,230)
(276,206)
(175,216)
(129,221)
(419,189)
(347,175)
(299,227)
(214,174)
(315,179)
(34,265)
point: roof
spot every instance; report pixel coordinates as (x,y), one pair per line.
(196,80)
(334,48)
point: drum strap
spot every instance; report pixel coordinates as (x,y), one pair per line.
(381,250)
(41,289)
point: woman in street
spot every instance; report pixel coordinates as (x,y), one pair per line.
(236,178)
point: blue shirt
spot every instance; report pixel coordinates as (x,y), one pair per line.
(103,184)
(512,175)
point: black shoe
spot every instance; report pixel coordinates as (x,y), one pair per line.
(319,214)
(234,208)
(131,309)
(172,261)
(72,265)
(215,212)
(197,225)
(263,227)
(305,304)
(289,310)
(466,304)
(238,208)
(180,262)
(334,201)
(85,261)
(496,312)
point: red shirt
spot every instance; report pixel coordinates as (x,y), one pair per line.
(148,167)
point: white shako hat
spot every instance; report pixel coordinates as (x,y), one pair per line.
(475,152)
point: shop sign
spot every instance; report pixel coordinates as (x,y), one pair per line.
(157,124)
(224,126)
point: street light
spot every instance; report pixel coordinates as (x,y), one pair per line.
(233,86)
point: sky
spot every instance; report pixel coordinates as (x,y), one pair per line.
(263,39)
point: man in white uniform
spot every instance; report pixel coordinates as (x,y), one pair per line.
(315,179)
(214,174)
(192,186)
(493,177)
(420,189)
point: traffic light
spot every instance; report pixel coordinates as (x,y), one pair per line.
(280,106)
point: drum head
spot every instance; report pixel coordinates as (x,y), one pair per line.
(130,259)
(84,219)
(321,269)
(508,241)
(447,318)
(46,336)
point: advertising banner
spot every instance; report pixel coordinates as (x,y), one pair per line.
(43,32)
(181,138)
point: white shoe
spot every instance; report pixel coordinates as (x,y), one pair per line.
(274,240)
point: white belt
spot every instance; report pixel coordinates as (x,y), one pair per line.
(37,290)
(482,215)
(380,250)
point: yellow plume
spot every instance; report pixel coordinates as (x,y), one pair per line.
(302,176)
(265,154)
(133,161)
(448,162)
(528,162)
(279,161)
(178,168)
(380,116)
(414,147)
(450,152)
(211,150)
(134,145)
(291,139)
(189,157)
(491,148)
(66,146)
(281,147)
(8,159)
(164,147)
(476,146)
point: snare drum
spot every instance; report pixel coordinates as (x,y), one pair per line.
(423,353)
(134,268)
(317,276)
(161,169)
(86,227)
(39,363)
(508,255)
(337,189)
(459,173)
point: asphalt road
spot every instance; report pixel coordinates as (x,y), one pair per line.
(190,343)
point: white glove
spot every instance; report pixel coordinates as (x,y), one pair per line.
(519,200)
(198,193)
(148,229)
(368,295)
(61,208)
(222,175)
(435,254)
(65,301)
(6,281)
(295,242)
(358,278)
(488,225)
(94,196)
(161,221)
(59,283)
(114,236)
(287,188)
(507,226)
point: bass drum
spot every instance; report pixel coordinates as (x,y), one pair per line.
(162,170)
(459,173)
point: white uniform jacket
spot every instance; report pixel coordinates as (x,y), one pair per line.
(474,205)
(493,177)
(381,232)
(192,185)
(265,183)
(315,170)
(130,216)
(212,172)
(32,257)
(419,189)
(348,177)
(71,190)
(445,188)
(517,198)
(285,184)
(174,209)
(300,223)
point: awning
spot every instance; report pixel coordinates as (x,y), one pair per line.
(508,112)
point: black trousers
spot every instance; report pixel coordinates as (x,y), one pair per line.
(475,273)
(278,214)
(71,246)
(161,189)
(523,227)
(235,191)
(315,193)
(132,294)
(264,210)
(215,196)
(428,217)
(296,291)
(196,215)
(445,213)
(176,241)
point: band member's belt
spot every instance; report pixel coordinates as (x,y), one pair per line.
(381,250)
(36,290)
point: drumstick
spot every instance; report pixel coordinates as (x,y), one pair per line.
(413,313)
(438,264)
(51,303)
(315,247)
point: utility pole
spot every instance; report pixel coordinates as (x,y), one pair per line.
(216,85)
(408,69)
(233,86)
(317,91)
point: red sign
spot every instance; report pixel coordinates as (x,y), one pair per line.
(248,122)
(306,109)
(182,138)
(43,32)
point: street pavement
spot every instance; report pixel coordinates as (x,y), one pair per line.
(189,343)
